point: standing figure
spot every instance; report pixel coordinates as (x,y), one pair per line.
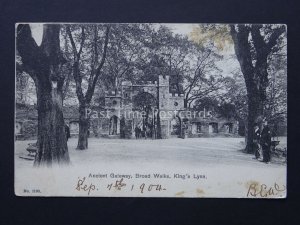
(265,141)
(256,141)
(136,131)
(122,127)
(144,134)
(67,131)
(139,132)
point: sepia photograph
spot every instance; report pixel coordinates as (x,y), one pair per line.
(188,110)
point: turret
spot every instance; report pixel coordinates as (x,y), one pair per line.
(163,80)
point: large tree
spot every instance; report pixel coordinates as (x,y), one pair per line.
(253,45)
(44,64)
(203,78)
(80,71)
(122,54)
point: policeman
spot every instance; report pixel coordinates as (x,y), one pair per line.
(256,141)
(265,141)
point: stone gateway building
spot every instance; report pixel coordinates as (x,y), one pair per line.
(135,108)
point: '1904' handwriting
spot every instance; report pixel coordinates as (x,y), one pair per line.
(118,185)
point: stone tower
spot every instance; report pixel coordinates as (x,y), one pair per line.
(164,92)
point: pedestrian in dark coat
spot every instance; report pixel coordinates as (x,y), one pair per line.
(136,131)
(256,140)
(265,142)
(67,131)
(139,132)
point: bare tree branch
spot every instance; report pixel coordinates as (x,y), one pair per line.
(93,82)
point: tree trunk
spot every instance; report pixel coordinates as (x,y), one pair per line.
(256,76)
(43,63)
(51,143)
(185,103)
(83,128)
(250,126)
(255,114)
(84,100)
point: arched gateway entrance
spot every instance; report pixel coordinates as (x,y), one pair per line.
(146,122)
(175,126)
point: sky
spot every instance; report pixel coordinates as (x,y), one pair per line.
(181,28)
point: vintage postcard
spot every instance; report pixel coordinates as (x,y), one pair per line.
(151,110)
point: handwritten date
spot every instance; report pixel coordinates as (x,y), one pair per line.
(82,186)
(118,185)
